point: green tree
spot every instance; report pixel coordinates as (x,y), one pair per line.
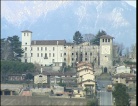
(16,47)
(121,96)
(77,38)
(96,40)
(29,76)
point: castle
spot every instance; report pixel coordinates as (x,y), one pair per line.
(59,52)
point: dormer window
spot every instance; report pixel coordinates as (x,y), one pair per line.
(108,40)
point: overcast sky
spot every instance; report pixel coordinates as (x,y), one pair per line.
(132,2)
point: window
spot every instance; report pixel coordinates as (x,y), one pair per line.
(72,53)
(53,54)
(76,53)
(41,54)
(72,47)
(61,54)
(31,54)
(103,40)
(78,91)
(86,53)
(37,54)
(64,59)
(49,54)
(45,48)
(64,53)
(45,54)
(31,48)
(26,43)
(38,48)
(64,47)
(108,40)
(53,48)
(72,64)
(53,60)
(25,54)
(25,48)
(41,48)
(72,59)
(25,60)
(85,59)
(24,34)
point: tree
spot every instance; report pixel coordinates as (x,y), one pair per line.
(77,38)
(119,48)
(121,96)
(16,47)
(96,41)
(127,52)
(29,76)
(6,50)
(11,48)
(88,37)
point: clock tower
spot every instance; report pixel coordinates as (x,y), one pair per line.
(106,49)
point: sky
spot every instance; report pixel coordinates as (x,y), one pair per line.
(132,2)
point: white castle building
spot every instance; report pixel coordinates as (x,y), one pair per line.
(57,52)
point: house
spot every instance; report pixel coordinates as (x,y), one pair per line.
(40,78)
(69,81)
(124,78)
(122,69)
(52,77)
(16,77)
(86,77)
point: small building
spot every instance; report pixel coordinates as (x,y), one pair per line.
(69,81)
(122,69)
(40,78)
(78,92)
(86,77)
(10,89)
(16,77)
(125,78)
(55,77)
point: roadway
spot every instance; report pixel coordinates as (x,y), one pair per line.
(105,97)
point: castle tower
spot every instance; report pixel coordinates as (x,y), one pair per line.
(106,52)
(26,45)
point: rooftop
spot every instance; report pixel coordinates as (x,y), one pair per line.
(48,42)
(107,36)
(26,31)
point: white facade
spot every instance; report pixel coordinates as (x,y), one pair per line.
(57,52)
(122,69)
(42,52)
(40,79)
